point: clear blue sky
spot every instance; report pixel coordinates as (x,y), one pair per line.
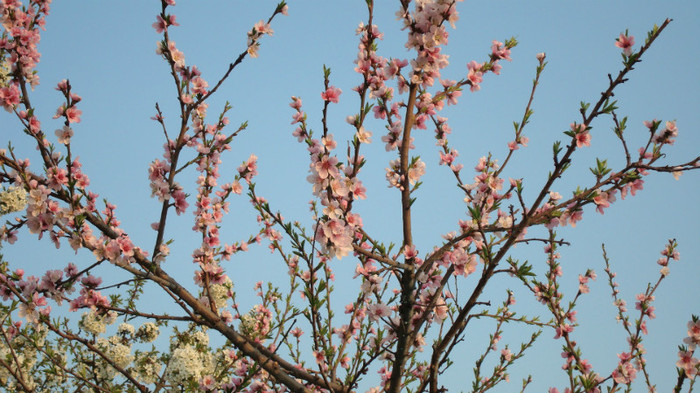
(106,49)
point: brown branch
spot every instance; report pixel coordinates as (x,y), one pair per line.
(408,279)
(148,315)
(358,249)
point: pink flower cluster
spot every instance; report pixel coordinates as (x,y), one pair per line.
(9,97)
(461,259)
(22,24)
(162,22)
(33,292)
(335,184)
(415,171)
(687,362)
(68,110)
(485,193)
(261,28)
(666,135)
(427,33)
(375,69)
(626,371)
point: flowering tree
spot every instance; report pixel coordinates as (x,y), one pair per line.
(411,308)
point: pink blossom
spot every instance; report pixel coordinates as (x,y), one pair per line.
(440,309)
(207,383)
(64,134)
(507,354)
(688,363)
(326,167)
(9,97)
(448,159)
(73,114)
(34,125)
(180,202)
(643,305)
(667,134)
(263,28)
(296,103)
(162,24)
(363,136)
(451,95)
(561,329)
(499,51)
(583,281)
(62,86)
(575,217)
(693,339)
(199,86)
(58,177)
(633,187)
(625,43)
(331,94)
(377,311)
(320,357)
(249,169)
(298,117)
(410,252)
(328,142)
(379,112)
(416,171)
(581,134)
(475,76)
(603,200)
(625,372)
(296,332)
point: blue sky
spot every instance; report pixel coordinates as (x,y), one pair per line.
(107,50)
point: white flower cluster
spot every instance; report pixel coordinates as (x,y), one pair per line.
(188,364)
(5,70)
(248,322)
(13,199)
(184,364)
(94,323)
(148,332)
(190,358)
(24,355)
(220,293)
(118,352)
(256,323)
(147,367)
(200,338)
(126,330)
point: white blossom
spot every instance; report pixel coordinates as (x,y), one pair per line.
(96,324)
(184,364)
(13,199)
(148,332)
(147,367)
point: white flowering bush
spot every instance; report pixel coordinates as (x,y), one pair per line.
(95,323)
(358,308)
(13,199)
